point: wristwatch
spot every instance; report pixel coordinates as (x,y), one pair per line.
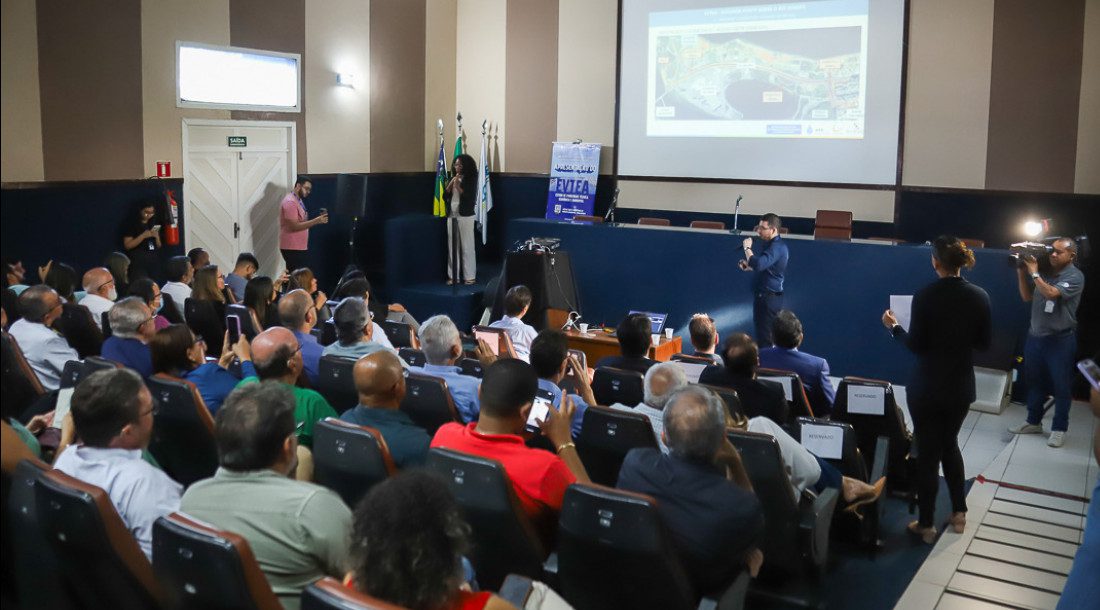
(1034,276)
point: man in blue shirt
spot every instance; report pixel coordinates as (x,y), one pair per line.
(552,363)
(380,381)
(442,347)
(516,303)
(246,267)
(131,328)
(297,313)
(768,268)
(812,370)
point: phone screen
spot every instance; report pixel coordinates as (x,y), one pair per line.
(1091,371)
(580,356)
(493,339)
(233,325)
(544,401)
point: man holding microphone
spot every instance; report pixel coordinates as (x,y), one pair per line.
(768,268)
(294,224)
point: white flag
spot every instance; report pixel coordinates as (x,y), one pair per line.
(484,191)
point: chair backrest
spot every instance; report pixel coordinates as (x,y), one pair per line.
(412,356)
(614,552)
(100,563)
(797,399)
(707,224)
(35,566)
(833,224)
(611,385)
(170,309)
(849,461)
(21,386)
(183,431)
(587,218)
(691,359)
(247,327)
(200,566)
(606,436)
(873,418)
(471,367)
(505,541)
(349,459)
(399,333)
(973,242)
(331,594)
(328,333)
(428,402)
(336,383)
(105,324)
(203,318)
(772,485)
(656,222)
(728,396)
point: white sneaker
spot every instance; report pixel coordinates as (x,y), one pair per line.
(1057,439)
(1026,428)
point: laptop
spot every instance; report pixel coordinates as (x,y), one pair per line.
(656,320)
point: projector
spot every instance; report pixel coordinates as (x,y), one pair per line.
(538,244)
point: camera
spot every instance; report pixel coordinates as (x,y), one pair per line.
(1040,251)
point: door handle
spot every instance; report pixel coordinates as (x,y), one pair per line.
(236,230)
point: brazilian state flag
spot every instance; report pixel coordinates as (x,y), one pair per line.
(439,206)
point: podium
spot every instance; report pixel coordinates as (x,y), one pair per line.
(549,275)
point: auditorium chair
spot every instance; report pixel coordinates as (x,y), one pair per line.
(708,224)
(797,400)
(21,386)
(614,552)
(202,567)
(691,359)
(331,594)
(586,218)
(328,333)
(170,309)
(833,224)
(656,222)
(34,565)
(471,367)
(504,539)
(869,427)
(248,329)
(205,322)
(606,436)
(973,242)
(349,459)
(412,356)
(183,430)
(428,402)
(400,334)
(611,385)
(99,560)
(850,464)
(796,535)
(105,324)
(336,383)
(728,396)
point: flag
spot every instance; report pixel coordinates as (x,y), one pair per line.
(458,141)
(439,206)
(484,192)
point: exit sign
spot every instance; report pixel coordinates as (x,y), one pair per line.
(237,141)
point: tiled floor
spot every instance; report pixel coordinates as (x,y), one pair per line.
(1018,545)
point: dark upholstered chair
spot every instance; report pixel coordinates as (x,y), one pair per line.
(707,224)
(183,430)
(349,459)
(833,224)
(869,427)
(611,385)
(656,222)
(428,402)
(606,436)
(336,383)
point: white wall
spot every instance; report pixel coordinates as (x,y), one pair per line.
(20,104)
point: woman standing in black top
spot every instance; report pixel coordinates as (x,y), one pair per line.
(950,319)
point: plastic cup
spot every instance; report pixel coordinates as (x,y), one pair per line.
(668,334)
(584,328)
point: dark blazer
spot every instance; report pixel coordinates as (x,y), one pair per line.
(812,370)
(759,398)
(950,319)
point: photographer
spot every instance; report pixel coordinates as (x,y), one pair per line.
(1052,339)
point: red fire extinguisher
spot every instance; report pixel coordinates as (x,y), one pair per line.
(172,231)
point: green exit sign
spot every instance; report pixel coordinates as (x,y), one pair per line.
(238,141)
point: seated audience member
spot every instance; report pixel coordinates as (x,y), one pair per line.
(812,370)
(14,275)
(100,293)
(355,284)
(296,313)
(407,544)
(634,341)
(179,273)
(277,357)
(354,331)
(538,477)
(209,285)
(113,415)
(63,279)
(76,323)
(246,267)
(131,330)
(516,303)
(119,266)
(552,363)
(199,258)
(442,347)
(758,397)
(148,291)
(45,350)
(661,381)
(702,490)
(176,351)
(305,280)
(704,337)
(380,381)
(260,295)
(298,531)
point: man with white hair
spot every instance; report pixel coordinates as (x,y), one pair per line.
(442,345)
(131,328)
(101,291)
(661,382)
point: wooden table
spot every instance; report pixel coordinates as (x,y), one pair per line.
(596,344)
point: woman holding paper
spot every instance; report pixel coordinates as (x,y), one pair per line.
(950,319)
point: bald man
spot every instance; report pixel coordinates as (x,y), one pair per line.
(276,356)
(380,381)
(102,292)
(296,312)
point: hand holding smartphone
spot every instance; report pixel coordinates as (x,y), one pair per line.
(540,410)
(233,325)
(1091,371)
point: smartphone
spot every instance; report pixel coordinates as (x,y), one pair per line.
(582,359)
(156,227)
(233,325)
(324,211)
(540,409)
(1091,372)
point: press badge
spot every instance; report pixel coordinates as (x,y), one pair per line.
(1048,307)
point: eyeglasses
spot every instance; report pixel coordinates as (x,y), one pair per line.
(153,410)
(107,283)
(1057,251)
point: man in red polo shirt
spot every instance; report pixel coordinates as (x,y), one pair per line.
(538,477)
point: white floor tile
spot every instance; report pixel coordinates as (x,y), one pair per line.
(991,568)
(920,595)
(1026,541)
(1034,499)
(951,601)
(1002,592)
(1026,557)
(1041,515)
(938,568)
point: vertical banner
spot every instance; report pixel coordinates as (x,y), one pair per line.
(573,172)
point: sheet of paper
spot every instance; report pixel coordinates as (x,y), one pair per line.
(902,306)
(64,401)
(692,370)
(783,381)
(826,442)
(866,399)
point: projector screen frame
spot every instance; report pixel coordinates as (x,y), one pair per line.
(896,186)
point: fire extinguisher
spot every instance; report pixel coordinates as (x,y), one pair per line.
(172,231)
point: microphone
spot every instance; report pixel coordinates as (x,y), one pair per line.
(736,213)
(610,215)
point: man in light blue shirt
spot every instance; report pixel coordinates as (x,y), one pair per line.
(45,351)
(552,363)
(516,303)
(354,331)
(442,347)
(297,313)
